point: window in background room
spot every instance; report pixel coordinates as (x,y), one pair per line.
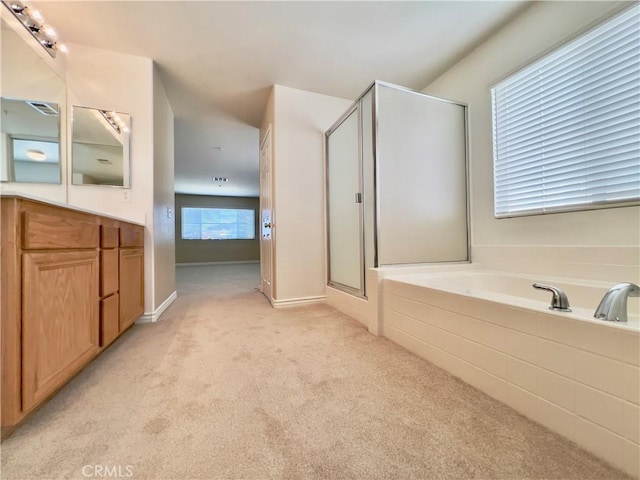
(566,129)
(218,224)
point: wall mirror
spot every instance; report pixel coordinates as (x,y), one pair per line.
(100,147)
(31,105)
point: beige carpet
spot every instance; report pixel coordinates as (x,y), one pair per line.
(225,387)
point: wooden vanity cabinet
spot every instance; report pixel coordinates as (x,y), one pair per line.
(122,271)
(59,319)
(131,270)
(132,290)
(64,273)
(109,282)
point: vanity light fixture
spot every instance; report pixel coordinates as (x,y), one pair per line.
(33,21)
(115,121)
(37,155)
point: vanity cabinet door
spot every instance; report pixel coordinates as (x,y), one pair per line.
(109,319)
(131,286)
(59,319)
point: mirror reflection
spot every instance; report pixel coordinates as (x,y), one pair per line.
(31,104)
(30,136)
(100,150)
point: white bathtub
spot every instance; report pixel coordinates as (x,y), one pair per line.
(517,291)
(574,374)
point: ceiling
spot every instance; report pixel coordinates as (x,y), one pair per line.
(218,60)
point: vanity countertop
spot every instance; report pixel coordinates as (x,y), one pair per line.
(35,198)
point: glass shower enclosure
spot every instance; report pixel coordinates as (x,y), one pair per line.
(396,184)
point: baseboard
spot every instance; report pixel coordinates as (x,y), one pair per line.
(232,262)
(155,316)
(355,307)
(297,302)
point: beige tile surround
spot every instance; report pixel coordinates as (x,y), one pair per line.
(578,379)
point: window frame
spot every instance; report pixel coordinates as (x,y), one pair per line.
(183,207)
(542,210)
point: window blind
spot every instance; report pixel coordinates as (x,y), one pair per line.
(566,129)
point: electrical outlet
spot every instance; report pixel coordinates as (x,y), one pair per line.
(126,196)
(169,212)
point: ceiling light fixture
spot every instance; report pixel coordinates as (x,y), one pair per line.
(37,155)
(33,21)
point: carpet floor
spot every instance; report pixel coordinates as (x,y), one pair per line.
(225,387)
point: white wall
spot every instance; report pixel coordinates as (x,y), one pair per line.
(268,117)
(164,253)
(299,121)
(542,238)
(123,83)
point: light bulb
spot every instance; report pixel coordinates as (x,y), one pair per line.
(50,31)
(35,14)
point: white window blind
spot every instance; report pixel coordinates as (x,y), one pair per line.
(566,129)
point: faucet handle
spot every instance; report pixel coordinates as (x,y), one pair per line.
(559,301)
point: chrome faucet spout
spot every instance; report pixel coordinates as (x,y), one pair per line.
(559,301)
(613,306)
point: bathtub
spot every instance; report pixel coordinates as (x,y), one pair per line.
(517,291)
(576,375)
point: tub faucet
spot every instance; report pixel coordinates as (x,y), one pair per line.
(613,306)
(559,301)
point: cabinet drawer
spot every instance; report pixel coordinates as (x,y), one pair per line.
(131,236)
(50,232)
(109,236)
(108,272)
(109,319)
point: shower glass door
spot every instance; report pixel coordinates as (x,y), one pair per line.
(344,201)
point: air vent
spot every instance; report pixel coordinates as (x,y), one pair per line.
(44,108)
